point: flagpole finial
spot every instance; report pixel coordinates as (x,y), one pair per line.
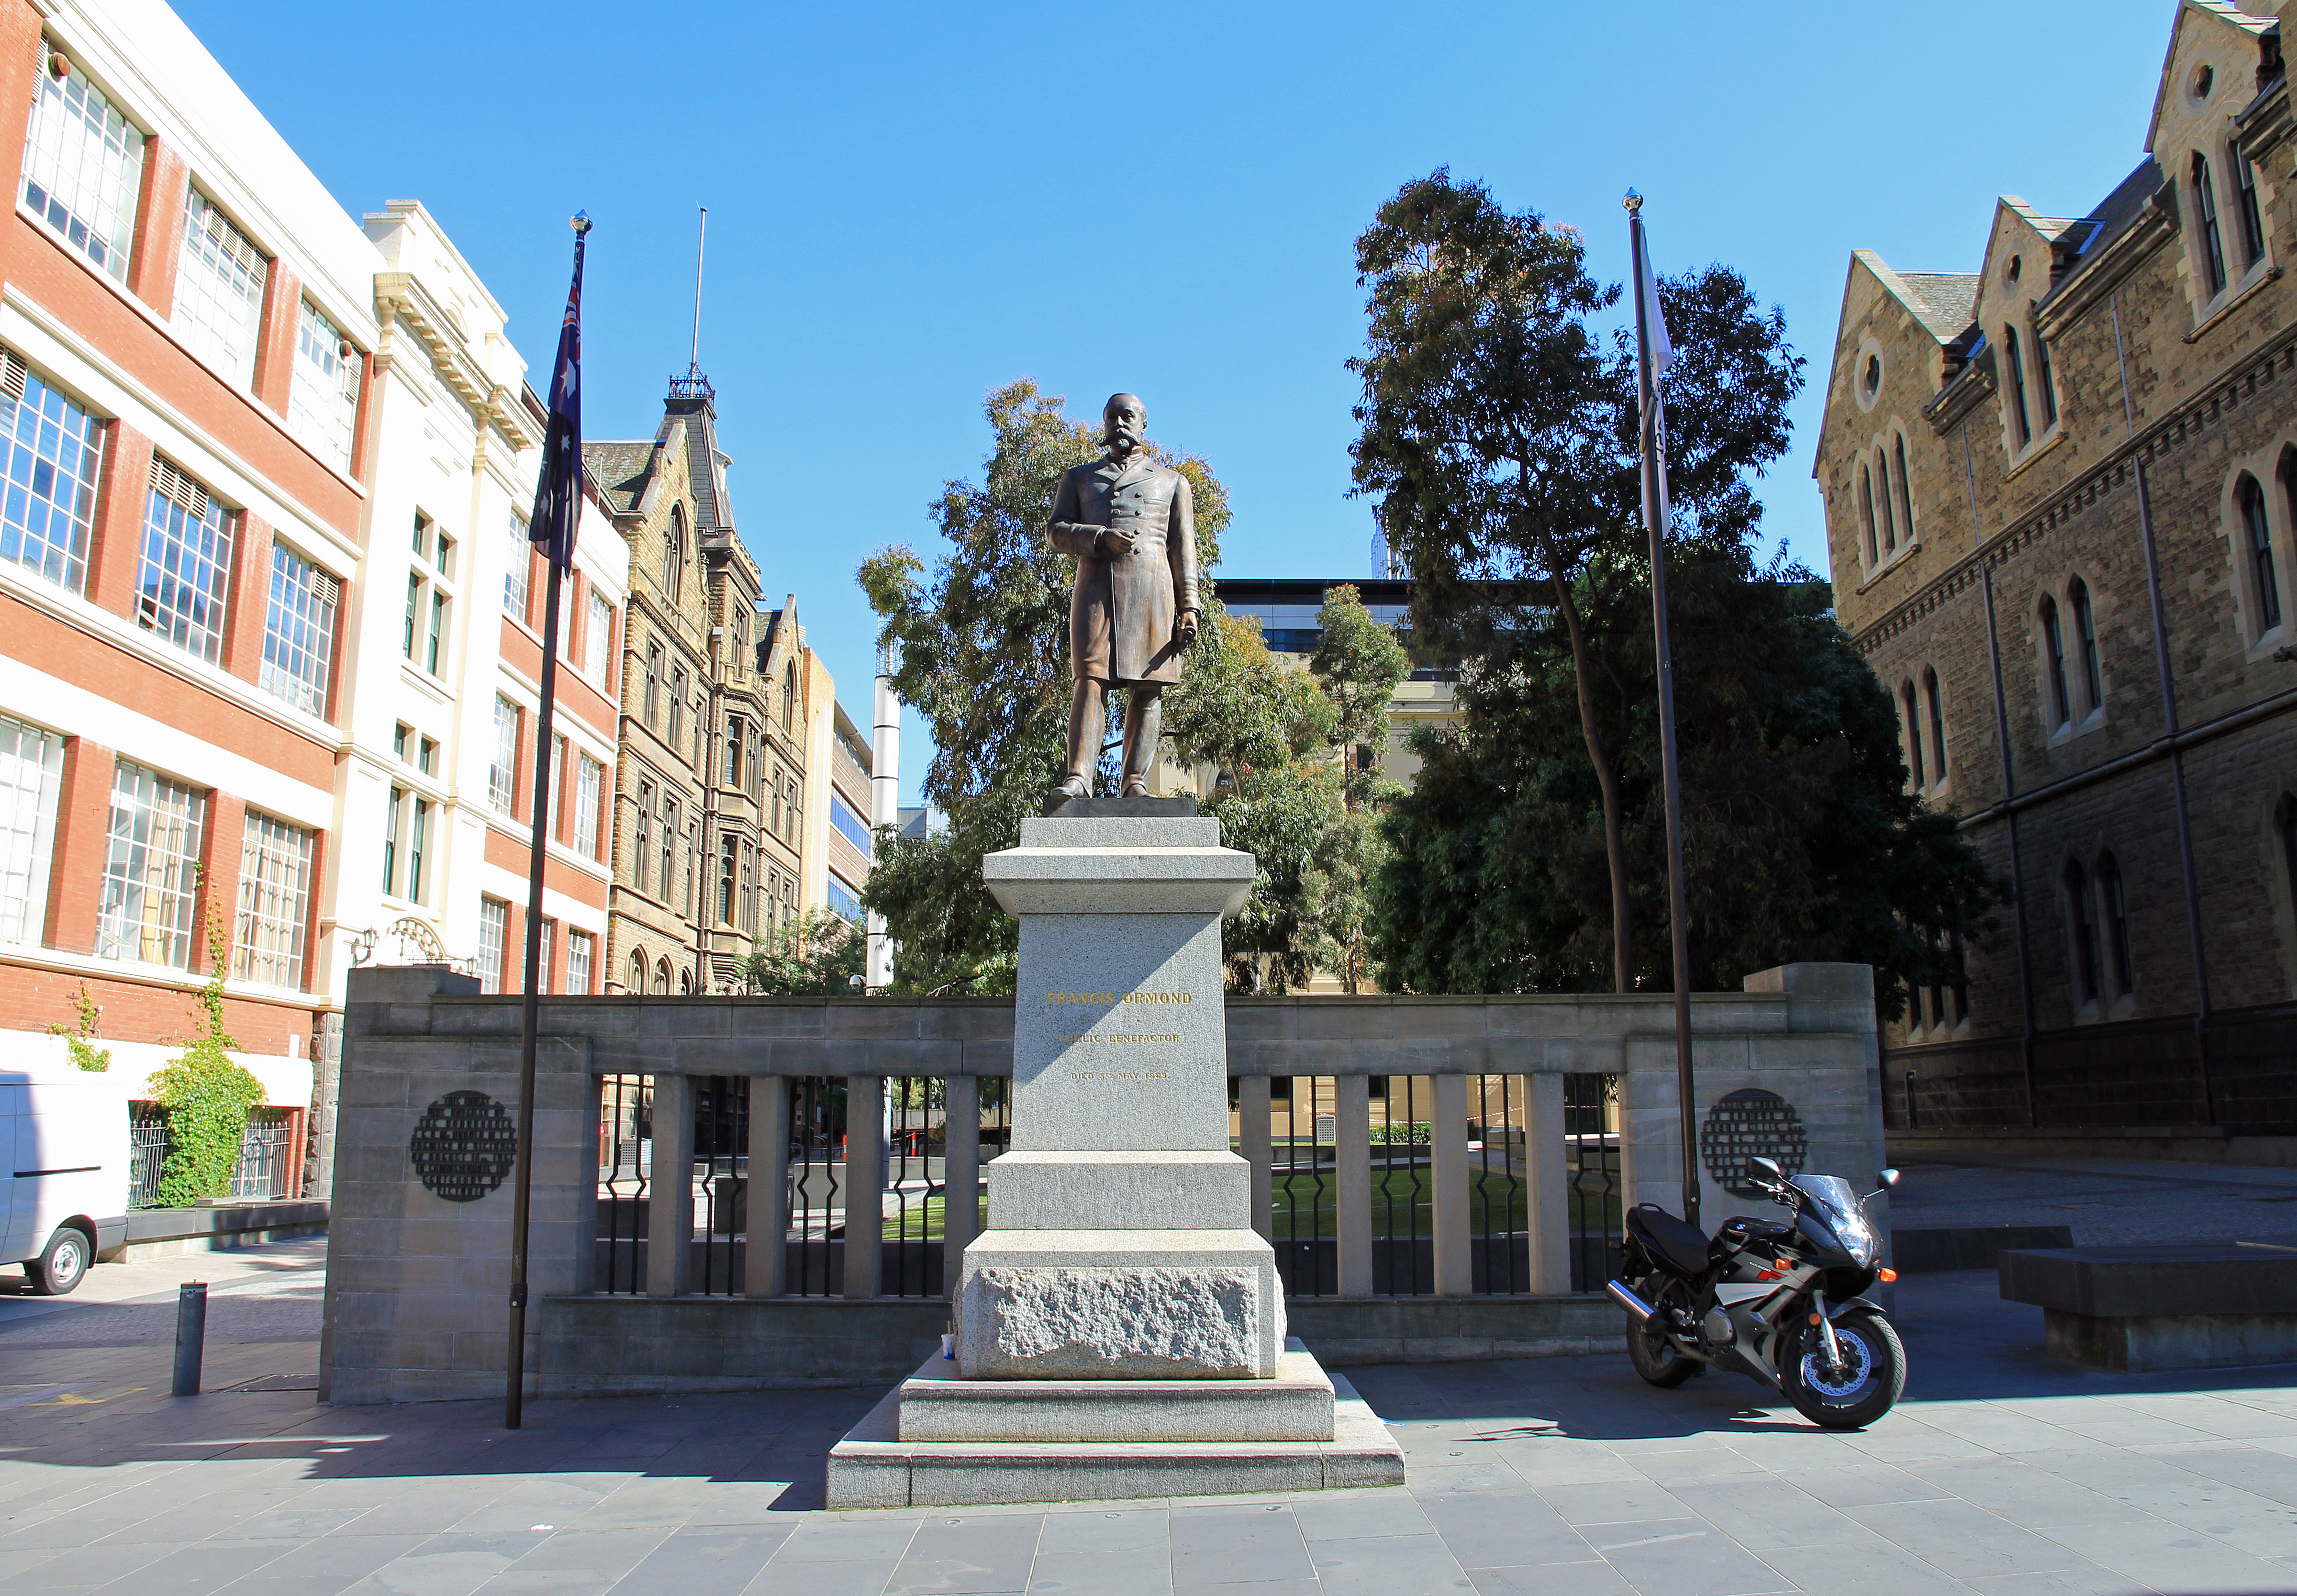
(581,221)
(1634,201)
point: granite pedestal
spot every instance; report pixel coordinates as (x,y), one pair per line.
(1120,1323)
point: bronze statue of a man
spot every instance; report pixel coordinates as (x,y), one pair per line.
(1131,524)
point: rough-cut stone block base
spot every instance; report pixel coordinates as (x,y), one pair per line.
(1119,1304)
(938,1403)
(2141,1343)
(872,1468)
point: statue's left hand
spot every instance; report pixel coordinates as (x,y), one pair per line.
(1184,630)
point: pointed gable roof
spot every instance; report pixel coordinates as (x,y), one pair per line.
(2202,13)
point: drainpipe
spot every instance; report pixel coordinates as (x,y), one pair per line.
(2178,791)
(705,920)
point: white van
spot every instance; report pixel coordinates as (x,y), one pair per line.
(67,1201)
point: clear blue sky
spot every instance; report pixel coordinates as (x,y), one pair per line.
(909,205)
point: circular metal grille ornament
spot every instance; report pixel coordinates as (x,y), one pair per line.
(463,1146)
(1752,1123)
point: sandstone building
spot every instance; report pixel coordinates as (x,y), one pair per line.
(2060,498)
(718,695)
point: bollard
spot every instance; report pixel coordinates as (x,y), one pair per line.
(191,1336)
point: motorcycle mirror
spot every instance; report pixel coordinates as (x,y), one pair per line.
(1768,1168)
(1889,1178)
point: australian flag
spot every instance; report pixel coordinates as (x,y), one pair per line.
(558,492)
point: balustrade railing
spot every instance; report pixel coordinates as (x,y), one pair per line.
(1445,1185)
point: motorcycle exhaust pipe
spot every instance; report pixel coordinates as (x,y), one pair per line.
(1640,1311)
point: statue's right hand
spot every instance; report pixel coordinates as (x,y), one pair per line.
(1113,542)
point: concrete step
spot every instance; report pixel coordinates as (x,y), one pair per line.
(874,1467)
(938,1405)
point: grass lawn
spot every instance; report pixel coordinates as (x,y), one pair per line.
(906,1228)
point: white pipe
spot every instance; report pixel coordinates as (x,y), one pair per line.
(885,807)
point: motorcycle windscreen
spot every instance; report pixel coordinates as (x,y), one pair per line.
(1834,1201)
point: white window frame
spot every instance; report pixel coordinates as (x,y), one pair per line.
(32,777)
(49,534)
(83,167)
(219,285)
(149,897)
(274,903)
(595,636)
(299,630)
(589,783)
(502,774)
(183,583)
(578,962)
(494,936)
(323,394)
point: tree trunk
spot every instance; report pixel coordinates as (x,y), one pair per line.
(1607,776)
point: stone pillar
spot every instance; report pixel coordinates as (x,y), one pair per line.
(1122,1244)
(865,1182)
(1448,1172)
(1251,1133)
(670,1189)
(1547,1179)
(765,1251)
(1352,1181)
(960,1164)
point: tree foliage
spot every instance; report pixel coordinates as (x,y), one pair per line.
(820,954)
(1499,434)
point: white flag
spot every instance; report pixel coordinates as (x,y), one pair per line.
(1662,348)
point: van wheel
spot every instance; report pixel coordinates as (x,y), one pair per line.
(59,1269)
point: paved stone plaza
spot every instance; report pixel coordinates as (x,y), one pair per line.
(2004,1471)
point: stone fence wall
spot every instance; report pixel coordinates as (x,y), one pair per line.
(418,1268)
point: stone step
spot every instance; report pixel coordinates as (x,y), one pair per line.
(938,1405)
(872,1468)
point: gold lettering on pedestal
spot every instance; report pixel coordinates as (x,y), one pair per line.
(1111,1000)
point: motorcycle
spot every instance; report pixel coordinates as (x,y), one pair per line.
(1784,1303)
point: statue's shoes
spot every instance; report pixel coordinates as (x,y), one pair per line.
(1134,789)
(1075,787)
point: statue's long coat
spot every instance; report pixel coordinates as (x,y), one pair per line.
(1122,614)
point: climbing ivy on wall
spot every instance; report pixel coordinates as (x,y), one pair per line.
(206,1096)
(85,1053)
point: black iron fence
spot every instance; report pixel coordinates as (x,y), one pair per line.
(267,1154)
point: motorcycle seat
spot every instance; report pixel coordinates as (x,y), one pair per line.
(1676,1244)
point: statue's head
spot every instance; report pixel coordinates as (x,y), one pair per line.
(1124,422)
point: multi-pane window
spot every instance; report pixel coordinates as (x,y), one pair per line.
(577,961)
(502,770)
(298,632)
(726,866)
(2019,413)
(31,773)
(843,901)
(642,839)
(543,951)
(2086,630)
(2205,213)
(404,845)
(83,165)
(1913,732)
(430,600)
(733,751)
(519,571)
(1866,513)
(1905,498)
(2081,924)
(220,288)
(1883,502)
(394,819)
(2258,535)
(2053,652)
(1938,724)
(670,840)
(590,781)
(151,868)
(557,787)
(494,923)
(323,399)
(185,578)
(274,901)
(677,708)
(2043,380)
(855,830)
(2117,923)
(53,449)
(595,636)
(653,683)
(2252,221)
(748,901)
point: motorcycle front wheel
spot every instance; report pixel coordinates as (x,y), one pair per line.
(1862,1387)
(1654,1356)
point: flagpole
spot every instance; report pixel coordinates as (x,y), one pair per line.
(561,541)
(1670,775)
